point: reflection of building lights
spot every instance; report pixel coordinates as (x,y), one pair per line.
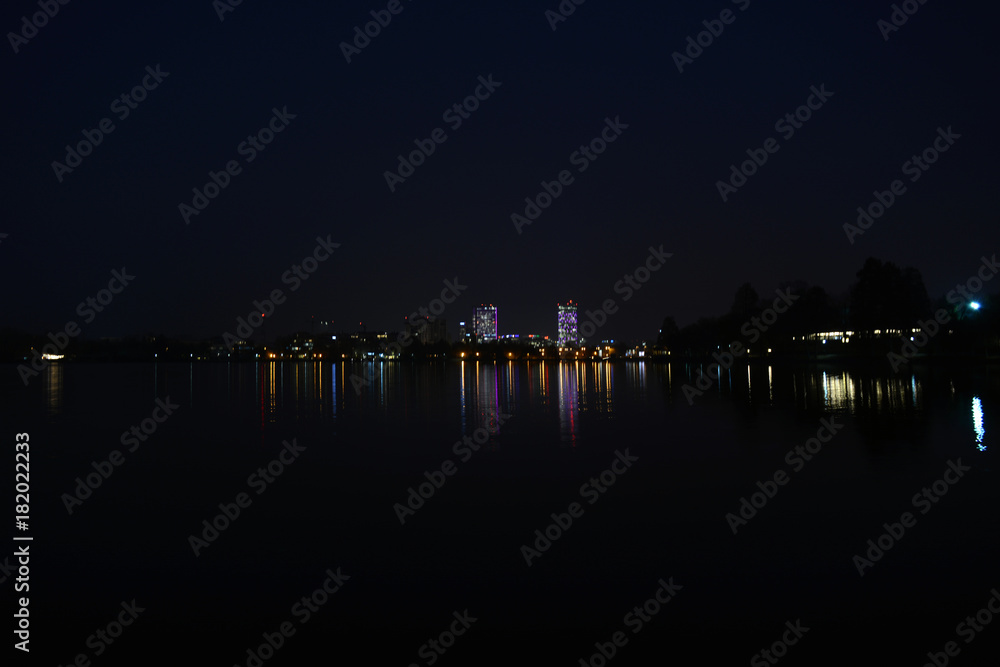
(977,423)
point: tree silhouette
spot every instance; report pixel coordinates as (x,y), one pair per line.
(884,297)
(668,333)
(745,302)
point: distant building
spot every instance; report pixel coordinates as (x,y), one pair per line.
(567,324)
(300,347)
(369,344)
(241,349)
(429,331)
(536,340)
(485,323)
(464,335)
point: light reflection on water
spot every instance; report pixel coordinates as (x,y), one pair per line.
(54,388)
(568,402)
(843,391)
(571,391)
(977,423)
(834,390)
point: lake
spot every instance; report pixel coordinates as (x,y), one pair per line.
(425,485)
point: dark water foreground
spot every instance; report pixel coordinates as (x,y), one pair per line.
(652,523)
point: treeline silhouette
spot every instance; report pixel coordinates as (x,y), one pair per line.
(883,297)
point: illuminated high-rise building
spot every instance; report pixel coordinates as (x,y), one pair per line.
(567,323)
(485,324)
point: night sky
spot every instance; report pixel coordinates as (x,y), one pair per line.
(323,174)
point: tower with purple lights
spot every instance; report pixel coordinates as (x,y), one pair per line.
(567,324)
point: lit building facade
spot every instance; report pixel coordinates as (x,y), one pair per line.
(485,324)
(567,325)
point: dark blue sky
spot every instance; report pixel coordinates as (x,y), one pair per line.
(324,174)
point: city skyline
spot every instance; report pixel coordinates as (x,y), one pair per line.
(442,314)
(323,173)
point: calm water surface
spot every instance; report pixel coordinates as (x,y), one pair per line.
(371,432)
